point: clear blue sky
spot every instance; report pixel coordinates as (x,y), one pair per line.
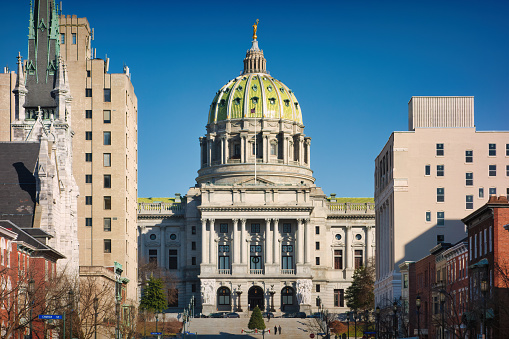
(352,65)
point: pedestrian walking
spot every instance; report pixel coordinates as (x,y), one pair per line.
(279,329)
(275,329)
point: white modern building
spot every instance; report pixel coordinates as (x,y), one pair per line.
(430,177)
(255,229)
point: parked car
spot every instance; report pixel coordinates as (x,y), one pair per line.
(203,316)
(288,315)
(232,315)
(217,315)
(267,314)
(301,315)
(314,315)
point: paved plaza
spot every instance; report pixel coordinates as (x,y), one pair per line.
(232,328)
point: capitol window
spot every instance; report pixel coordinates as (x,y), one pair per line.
(358,236)
(273,148)
(338,236)
(223,228)
(287,228)
(255,228)
(153,236)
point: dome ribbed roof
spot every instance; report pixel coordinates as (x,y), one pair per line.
(254,95)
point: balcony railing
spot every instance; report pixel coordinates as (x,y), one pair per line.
(352,207)
(224,271)
(256,271)
(160,208)
(287,271)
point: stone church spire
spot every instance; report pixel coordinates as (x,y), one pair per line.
(43,52)
(254,62)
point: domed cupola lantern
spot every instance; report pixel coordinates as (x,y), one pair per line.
(255,129)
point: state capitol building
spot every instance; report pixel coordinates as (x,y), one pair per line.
(255,229)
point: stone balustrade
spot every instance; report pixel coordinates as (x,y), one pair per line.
(352,208)
(161,208)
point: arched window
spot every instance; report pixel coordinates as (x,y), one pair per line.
(287,296)
(223,296)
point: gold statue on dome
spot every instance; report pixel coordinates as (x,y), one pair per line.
(255,27)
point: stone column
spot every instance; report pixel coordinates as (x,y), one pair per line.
(201,151)
(268,242)
(369,240)
(204,257)
(265,148)
(308,150)
(301,150)
(243,254)
(212,236)
(226,148)
(210,140)
(142,242)
(300,242)
(348,247)
(242,149)
(308,241)
(236,243)
(164,255)
(275,243)
(222,150)
(285,149)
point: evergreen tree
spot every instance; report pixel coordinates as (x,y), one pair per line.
(360,295)
(256,320)
(153,298)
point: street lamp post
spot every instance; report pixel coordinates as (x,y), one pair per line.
(348,323)
(272,292)
(355,322)
(366,316)
(395,319)
(377,315)
(442,311)
(239,295)
(484,290)
(117,312)
(418,306)
(71,304)
(157,319)
(31,291)
(96,307)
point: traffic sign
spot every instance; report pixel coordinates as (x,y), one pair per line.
(312,335)
(50,316)
(156,333)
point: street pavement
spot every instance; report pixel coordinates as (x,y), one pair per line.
(212,328)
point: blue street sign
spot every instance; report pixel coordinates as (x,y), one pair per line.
(50,316)
(156,333)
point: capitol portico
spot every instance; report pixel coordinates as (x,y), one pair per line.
(255,229)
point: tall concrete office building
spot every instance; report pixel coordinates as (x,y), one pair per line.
(430,177)
(105,120)
(103,110)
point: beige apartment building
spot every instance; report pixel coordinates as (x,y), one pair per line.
(430,177)
(105,122)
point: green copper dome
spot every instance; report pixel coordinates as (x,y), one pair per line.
(254,95)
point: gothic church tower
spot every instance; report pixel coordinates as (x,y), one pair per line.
(43,115)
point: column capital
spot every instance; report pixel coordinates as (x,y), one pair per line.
(268,220)
(235,221)
(243,221)
(276,220)
(212,221)
(204,221)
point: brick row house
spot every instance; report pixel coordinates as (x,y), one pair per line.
(28,277)
(462,288)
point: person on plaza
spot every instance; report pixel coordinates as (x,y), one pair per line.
(275,329)
(279,329)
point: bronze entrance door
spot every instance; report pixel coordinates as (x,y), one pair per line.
(255,298)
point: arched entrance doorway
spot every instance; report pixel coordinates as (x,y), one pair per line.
(288,299)
(224,300)
(255,298)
